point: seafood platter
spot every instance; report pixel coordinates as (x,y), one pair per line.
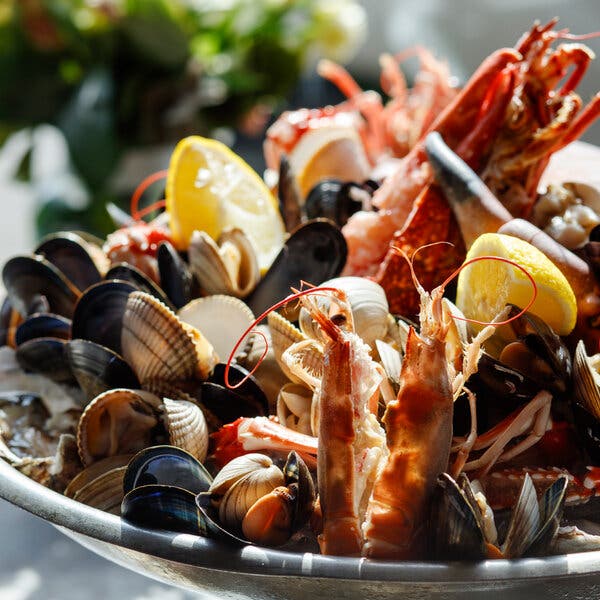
(375,371)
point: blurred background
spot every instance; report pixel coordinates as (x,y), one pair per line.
(94,94)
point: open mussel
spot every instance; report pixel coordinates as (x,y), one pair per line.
(314,252)
(72,255)
(33,284)
(99,313)
(98,369)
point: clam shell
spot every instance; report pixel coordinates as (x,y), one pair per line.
(119,421)
(159,346)
(228,266)
(586,379)
(283,335)
(305,361)
(187,427)
(294,407)
(245,492)
(221,319)
(237,469)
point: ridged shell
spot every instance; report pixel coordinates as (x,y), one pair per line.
(283,335)
(187,427)
(101,484)
(369,307)
(586,379)
(159,346)
(221,319)
(118,421)
(228,266)
(245,492)
(237,469)
(305,361)
(294,407)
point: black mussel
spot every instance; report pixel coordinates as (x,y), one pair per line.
(315,252)
(43,325)
(166,465)
(299,481)
(588,431)
(47,357)
(209,522)
(9,320)
(289,196)
(131,274)
(456,531)
(162,507)
(99,313)
(247,400)
(69,253)
(176,278)
(97,368)
(338,201)
(29,278)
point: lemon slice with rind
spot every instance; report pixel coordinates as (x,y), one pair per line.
(210,188)
(487,286)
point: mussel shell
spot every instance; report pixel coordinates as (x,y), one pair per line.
(47,357)
(7,327)
(455,529)
(332,199)
(248,400)
(97,368)
(314,252)
(289,195)
(297,477)
(43,325)
(27,278)
(68,252)
(162,507)
(166,465)
(143,283)
(99,313)
(176,280)
(588,430)
(209,522)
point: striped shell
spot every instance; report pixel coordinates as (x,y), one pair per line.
(186,426)
(283,335)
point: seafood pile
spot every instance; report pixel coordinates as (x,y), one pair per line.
(333,388)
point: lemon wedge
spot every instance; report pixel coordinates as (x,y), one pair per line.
(210,188)
(487,286)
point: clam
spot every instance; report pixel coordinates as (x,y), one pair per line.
(119,421)
(228,266)
(294,407)
(586,379)
(283,335)
(305,361)
(240,484)
(186,426)
(221,319)
(101,484)
(159,346)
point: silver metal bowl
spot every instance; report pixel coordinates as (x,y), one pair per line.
(199,564)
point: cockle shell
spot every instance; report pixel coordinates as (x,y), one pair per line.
(240,483)
(304,360)
(228,266)
(119,421)
(294,407)
(369,307)
(159,346)
(186,426)
(586,379)
(283,335)
(221,319)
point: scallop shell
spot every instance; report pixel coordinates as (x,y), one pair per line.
(586,379)
(187,427)
(228,266)
(283,335)
(221,319)
(119,421)
(369,307)
(159,346)
(294,404)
